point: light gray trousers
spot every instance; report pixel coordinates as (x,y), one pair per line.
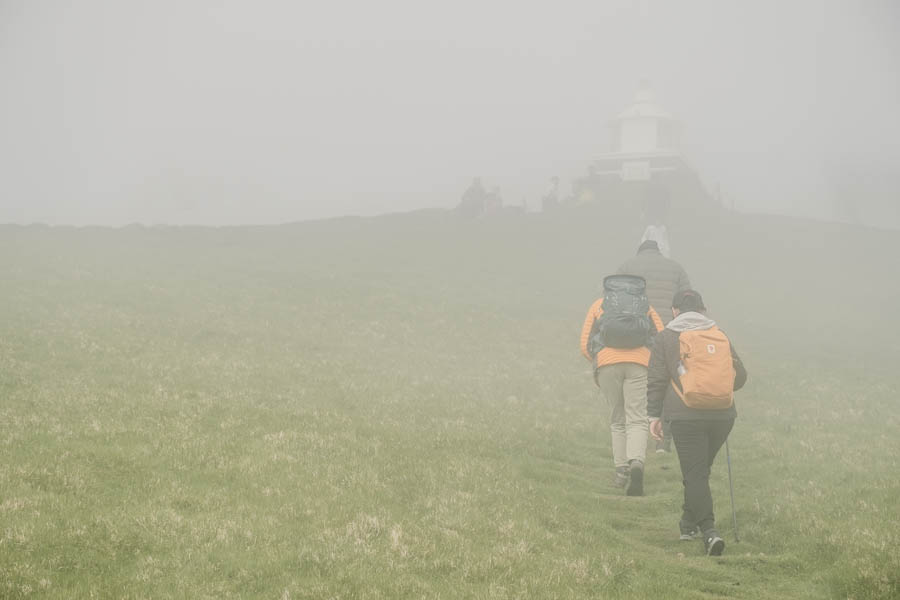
(624,385)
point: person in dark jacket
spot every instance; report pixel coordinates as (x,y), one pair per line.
(698,433)
(664,277)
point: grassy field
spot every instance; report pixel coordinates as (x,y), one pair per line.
(396,408)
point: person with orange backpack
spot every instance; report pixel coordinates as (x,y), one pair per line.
(616,337)
(693,373)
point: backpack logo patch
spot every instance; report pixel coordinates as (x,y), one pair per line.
(711,348)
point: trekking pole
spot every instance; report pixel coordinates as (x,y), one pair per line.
(731,488)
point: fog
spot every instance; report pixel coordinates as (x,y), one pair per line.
(266,112)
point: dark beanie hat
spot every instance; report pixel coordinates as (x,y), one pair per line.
(648,244)
(688,300)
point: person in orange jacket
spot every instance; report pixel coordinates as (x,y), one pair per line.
(621,375)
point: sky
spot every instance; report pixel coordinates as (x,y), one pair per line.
(224,112)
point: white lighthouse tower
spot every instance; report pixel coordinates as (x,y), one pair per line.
(644,159)
(645,138)
(644,127)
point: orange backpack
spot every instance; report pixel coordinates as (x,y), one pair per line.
(706,370)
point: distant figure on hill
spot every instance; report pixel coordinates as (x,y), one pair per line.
(472,203)
(616,341)
(664,277)
(693,374)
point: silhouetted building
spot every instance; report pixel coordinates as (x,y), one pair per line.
(471,204)
(645,168)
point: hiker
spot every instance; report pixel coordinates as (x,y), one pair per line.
(694,371)
(664,277)
(616,336)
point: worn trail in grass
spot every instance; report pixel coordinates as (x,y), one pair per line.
(396,407)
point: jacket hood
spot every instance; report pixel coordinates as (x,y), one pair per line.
(649,247)
(648,244)
(690,321)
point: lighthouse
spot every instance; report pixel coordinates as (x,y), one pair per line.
(644,128)
(644,159)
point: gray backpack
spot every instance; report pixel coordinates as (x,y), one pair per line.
(625,322)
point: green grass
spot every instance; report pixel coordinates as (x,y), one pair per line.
(396,407)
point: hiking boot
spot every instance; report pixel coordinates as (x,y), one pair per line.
(621,477)
(636,485)
(688,531)
(713,542)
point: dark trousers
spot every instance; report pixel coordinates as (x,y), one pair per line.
(697,443)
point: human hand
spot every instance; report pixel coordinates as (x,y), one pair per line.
(656,429)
